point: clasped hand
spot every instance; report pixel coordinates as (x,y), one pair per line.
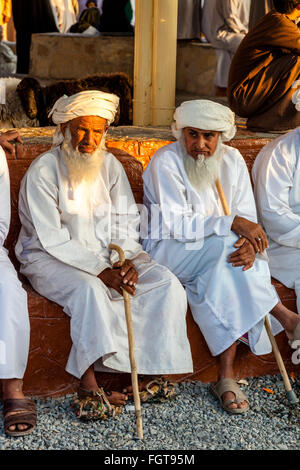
(253,240)
(121,277)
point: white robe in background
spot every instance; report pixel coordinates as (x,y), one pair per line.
(63,246)
(64,14)
(225,24)
(14,322)
(195,241)
(276,176)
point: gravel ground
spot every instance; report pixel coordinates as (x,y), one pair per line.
(191,421)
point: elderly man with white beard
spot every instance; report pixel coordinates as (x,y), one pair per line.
(74,201)
(218,258)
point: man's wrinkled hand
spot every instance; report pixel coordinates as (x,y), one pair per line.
(128,272)
(121,277)
(8,137)
(252,231)
(244,255)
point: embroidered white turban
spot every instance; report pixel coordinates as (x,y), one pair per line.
(205,115)
(85,103)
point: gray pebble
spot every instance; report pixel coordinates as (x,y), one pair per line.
(192,421)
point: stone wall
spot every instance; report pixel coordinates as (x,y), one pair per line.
(58,56)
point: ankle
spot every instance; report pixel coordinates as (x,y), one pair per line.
(12,388)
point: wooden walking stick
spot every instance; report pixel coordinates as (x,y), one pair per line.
(287,384)
(133,365)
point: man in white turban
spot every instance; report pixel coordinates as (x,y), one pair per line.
(219,258)
(74,201)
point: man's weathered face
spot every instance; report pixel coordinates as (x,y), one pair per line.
(198,141)
(86,132)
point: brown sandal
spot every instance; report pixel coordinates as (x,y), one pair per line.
(24,412)
(93,405)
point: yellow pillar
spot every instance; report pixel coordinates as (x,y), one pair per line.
(164,61)
(143,39)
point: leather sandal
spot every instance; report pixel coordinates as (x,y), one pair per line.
(24,412)
(158,390)
(229,385)
(94,405)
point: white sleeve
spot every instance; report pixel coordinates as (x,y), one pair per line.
(56,240)
(125,219)
(230,11)
(274,178)
(243,203)
(177,218)
(4,198)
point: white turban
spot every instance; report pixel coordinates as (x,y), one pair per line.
(85,103)
(205,115)
(296,99)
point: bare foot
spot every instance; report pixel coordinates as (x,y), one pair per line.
(89,383)
(142,384)
(231,396)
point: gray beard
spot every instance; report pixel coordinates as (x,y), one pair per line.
(202,172)
(81,166)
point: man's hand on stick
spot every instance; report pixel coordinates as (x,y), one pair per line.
(252,231)
(119,277)
(244,255)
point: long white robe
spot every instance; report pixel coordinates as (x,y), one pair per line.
(194,242)
(63,246)
(14,322)
(276,176)
(225,24)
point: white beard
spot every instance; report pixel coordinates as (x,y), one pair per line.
(202,172)
(82,166)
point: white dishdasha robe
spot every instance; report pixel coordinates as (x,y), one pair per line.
(225,24)
(63,246)
(194,242)
(14,321)
(276,176)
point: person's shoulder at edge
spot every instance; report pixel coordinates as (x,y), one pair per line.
(3,162)
(283,147)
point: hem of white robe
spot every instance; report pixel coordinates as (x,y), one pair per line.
(153,371)
(109,364)
(236,337)
(11,375)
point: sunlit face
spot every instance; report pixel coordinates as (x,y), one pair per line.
(198,141)
(86,132)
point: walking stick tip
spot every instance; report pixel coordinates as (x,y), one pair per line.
(292,397)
